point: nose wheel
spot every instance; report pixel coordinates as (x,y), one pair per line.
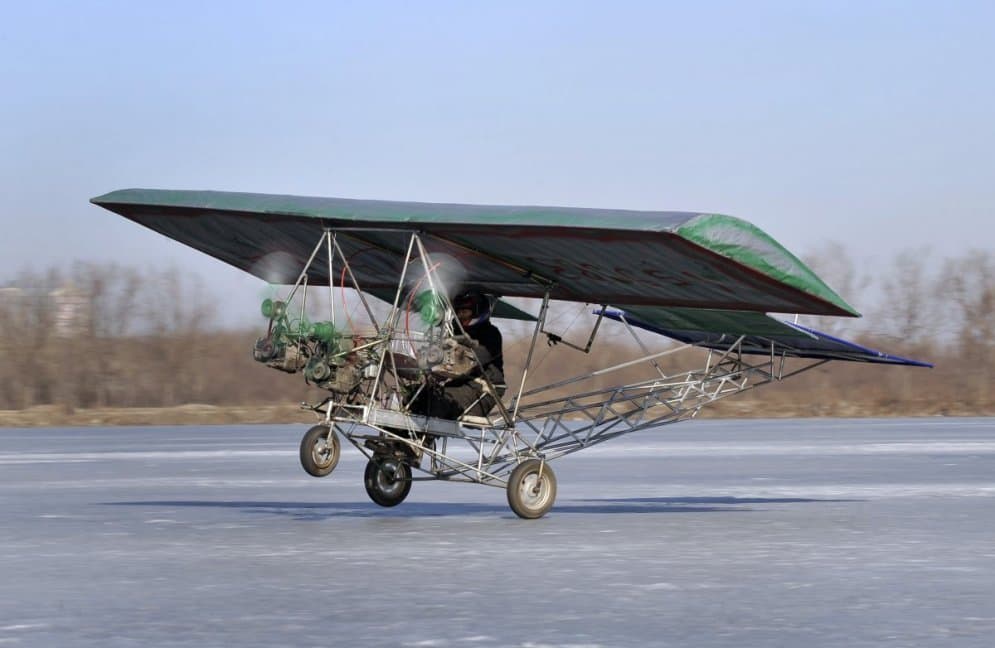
(531,489)
(320,451)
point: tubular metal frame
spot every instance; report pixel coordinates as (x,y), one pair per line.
(538,423)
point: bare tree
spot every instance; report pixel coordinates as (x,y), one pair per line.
(179,314)
(967,286)
(29,323)
(105,335)
(834,265)
(907,314)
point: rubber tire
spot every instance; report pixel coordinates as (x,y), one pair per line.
(315,461)
(387,481)
(521,498)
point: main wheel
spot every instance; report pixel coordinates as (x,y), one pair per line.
(387,481)
(320,451)
(531,494)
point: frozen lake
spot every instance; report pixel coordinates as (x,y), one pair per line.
(710,533)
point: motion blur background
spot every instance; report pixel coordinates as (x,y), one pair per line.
(859,136)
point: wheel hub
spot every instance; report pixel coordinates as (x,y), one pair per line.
(321,451)
(533,491)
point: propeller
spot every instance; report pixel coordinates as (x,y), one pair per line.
(428,282)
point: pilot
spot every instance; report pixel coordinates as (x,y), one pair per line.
(469,393)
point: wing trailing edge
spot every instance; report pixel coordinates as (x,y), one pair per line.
(761,334)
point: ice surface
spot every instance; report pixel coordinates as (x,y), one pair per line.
(709,533)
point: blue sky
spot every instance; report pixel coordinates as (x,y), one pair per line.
(866,123)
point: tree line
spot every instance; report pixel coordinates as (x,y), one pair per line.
(103,335)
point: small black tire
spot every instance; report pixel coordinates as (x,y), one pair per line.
(320,451)
(531,489)
(387,480)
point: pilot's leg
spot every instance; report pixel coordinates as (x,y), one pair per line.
(436,402)
(469,399)
(453,401)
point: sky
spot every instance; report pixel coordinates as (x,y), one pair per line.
(869,124)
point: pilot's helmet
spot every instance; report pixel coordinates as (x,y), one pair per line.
(472,307)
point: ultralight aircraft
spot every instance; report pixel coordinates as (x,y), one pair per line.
(704,280)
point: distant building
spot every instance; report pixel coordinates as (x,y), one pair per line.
(72,311)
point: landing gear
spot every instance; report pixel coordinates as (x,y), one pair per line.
(387,480)
(320,451)
(531,489)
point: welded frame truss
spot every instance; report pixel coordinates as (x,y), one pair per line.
(545,422)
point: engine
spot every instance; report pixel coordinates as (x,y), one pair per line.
(325,357)
(335,367)
(278,354)
(450,357)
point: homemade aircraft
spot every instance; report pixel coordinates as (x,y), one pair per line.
(705,280)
